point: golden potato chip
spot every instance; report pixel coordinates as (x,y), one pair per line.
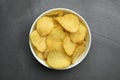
(78,51)
(55,46)
(55,13)
(57,34)
(38,42)
(58,59)
(69,22)
(39,54)
(69,46)
(44,25)
(55,39)
(79,36)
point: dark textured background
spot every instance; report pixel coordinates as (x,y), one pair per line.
(17,61)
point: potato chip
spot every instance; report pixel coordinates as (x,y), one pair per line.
(53,45)
(69,46)
(79,36)
(57,34)
(55,39)
(69,22)
(38,42)
(78,51)
(58,60)
(44,25)
(55,13)
(39,54)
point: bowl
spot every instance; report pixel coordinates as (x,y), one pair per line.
(88,44)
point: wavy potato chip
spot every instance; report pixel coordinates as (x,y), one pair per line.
(38,42)
(39,54)
(44,25)
(69,46)
(79,36)
(58,59)
(78,51)
(69,22)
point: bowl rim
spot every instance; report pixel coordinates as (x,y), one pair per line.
(89,42)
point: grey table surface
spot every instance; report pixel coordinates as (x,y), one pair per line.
(17,61)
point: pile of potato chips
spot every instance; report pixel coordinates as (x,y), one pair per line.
(59,38)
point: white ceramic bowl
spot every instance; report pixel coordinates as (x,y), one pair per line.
(82,56)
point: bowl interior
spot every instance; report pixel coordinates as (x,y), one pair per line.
(88,38)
